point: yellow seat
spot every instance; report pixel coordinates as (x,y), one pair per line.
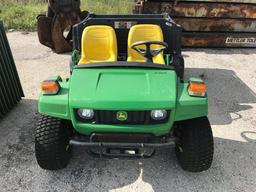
(145,32)
(99,44)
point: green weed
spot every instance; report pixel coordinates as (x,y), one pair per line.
(21,14)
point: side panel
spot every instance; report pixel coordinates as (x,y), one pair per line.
(56,105)
(190,107)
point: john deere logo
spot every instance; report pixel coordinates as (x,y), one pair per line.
(122,116)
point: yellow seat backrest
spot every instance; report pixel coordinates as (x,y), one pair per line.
(98,44)
(144,32)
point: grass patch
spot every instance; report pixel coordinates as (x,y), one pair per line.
(108,6)
(21,14)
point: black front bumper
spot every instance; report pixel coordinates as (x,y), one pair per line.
(139,144)
(121,145)
(123,140)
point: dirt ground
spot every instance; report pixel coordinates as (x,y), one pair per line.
(231,81)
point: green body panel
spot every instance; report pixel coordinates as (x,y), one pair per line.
(56,105)
(189,107)
(123,89)
(119,89)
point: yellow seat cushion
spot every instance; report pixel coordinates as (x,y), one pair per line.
(98,44)
(144,32)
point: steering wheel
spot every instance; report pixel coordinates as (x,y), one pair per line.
(149,53)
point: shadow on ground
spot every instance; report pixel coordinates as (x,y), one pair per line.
(233,168)
(228,95)
(162,173)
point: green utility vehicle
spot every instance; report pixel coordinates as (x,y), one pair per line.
(126,96)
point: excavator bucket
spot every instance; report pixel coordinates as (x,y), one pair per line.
(44,25)
(209,23)
(60,17)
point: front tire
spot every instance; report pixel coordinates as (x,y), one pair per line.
(195,146)
(52,143)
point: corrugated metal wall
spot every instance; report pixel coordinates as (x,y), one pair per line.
(209,23)
(10,86)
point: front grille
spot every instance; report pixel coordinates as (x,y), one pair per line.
(110,117)
(133,118)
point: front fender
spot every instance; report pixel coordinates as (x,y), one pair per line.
(189,107)
(56,105)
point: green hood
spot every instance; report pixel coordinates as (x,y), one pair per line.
(123,89)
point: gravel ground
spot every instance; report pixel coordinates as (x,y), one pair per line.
(231,80)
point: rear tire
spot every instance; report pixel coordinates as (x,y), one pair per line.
(195,147)
(52,143)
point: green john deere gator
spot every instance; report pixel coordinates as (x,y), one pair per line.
(126,96)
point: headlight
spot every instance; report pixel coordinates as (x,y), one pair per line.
(158,115)
(85,113)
